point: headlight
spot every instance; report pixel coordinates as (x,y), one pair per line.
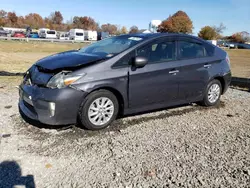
(62,80)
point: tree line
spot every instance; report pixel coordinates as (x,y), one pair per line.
(56,21)
(179,22)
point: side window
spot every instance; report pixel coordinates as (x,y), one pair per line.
(188,50)
(158,51)
(125,61)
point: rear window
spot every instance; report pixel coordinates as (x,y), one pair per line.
(51,32)
(79,34)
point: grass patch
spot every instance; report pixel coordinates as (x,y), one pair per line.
(18,56)
(48,47)
(240,62)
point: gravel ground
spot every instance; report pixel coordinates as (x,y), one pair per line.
(189,146)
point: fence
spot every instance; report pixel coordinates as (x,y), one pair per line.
(44,40)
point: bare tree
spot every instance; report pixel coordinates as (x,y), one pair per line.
(220,29)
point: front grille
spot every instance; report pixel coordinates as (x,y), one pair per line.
(37,76)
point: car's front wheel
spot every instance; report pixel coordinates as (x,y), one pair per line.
(98,110)
(212,94)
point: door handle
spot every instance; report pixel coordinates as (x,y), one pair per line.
(207,65)
(173,72)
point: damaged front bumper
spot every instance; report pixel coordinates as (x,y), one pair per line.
(50,106)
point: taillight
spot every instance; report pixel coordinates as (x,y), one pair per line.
(228,60)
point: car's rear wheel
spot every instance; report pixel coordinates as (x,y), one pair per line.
(98,110)
(212,93)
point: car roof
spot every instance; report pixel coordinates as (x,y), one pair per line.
(156,35)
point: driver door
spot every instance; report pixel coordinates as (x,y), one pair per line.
(157,82)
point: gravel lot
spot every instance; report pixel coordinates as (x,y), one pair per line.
(189,146)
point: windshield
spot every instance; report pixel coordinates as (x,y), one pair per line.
(111,46)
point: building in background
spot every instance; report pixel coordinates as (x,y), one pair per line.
(153,25)
(144,31)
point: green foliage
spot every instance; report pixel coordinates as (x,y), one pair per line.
(208,33)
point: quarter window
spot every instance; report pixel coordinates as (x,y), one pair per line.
(158,51)
(189,50)
(126,60)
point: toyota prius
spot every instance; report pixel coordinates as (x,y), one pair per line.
(123,75)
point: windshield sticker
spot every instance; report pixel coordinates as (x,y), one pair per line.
(135,38)
(109,55)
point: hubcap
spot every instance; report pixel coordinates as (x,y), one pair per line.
(101,111)
(213,93)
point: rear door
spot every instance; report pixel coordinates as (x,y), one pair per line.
(195,64)
(157,82)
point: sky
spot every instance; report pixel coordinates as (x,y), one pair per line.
(234,14)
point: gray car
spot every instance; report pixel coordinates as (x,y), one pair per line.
(124,75)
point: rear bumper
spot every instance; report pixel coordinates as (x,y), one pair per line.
(36,103)
(227,80)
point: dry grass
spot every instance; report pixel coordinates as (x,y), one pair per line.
(18,61)
(240,62)
(37,47)
(19,56)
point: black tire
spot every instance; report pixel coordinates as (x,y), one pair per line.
(83,111)
(205,101)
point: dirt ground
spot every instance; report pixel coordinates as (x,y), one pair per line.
(189,146)
(19,56)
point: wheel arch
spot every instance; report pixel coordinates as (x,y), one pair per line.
(117,94)
(222,82)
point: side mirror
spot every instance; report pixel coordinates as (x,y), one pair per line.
(140,62)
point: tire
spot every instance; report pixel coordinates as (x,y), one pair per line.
(208,100)
(90,102)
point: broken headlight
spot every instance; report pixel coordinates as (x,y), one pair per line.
(62,80)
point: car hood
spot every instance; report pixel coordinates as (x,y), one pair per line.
(67,61)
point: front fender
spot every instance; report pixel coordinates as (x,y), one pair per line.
(117,84)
